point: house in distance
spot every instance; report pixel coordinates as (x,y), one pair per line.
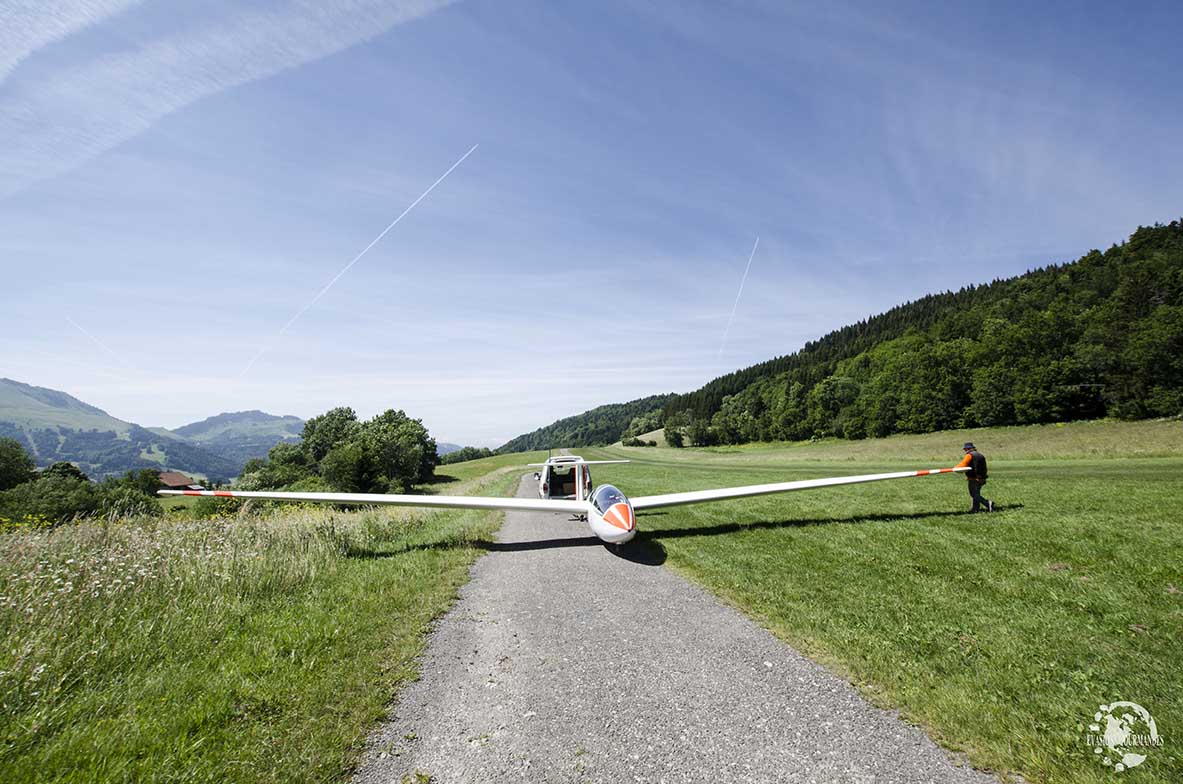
(173,480)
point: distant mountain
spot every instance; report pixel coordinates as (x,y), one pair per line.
(24,405)
(602,425)
(241,435)
(443,449)
(54,426)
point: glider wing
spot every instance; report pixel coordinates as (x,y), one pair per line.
(702,496)
(443,501)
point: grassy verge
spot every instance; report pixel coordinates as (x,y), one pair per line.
(231,650)
(1000,634)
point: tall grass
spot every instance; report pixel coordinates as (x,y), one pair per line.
(245,648)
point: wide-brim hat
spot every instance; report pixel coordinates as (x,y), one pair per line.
(969,445)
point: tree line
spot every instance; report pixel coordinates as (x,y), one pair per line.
(601,425)
(390,452)
(40,499)
(1101,336)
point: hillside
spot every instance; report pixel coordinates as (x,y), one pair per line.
(599,426)
(54,426)
(241,435)
(1101,336)
(27,406)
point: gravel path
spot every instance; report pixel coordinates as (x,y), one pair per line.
(563,661)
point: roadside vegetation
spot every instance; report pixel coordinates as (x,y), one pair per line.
(203,639)
(1001,634)
(250,648)
(62,492)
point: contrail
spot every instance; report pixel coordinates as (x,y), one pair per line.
(263,349)
(738,294)
(97,342)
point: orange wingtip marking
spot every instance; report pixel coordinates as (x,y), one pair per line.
(224,493)
(923,473)
(191,492)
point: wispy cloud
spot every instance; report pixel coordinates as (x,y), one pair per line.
(28,26)
(53,125)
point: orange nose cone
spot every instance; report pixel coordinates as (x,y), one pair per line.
(621,516)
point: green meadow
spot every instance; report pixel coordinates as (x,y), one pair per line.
(1000,634)
(264,647)
(260,648)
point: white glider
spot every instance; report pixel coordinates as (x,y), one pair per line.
(564,484)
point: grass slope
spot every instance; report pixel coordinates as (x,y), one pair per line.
(600,425)
(1000,634)
(29,407)
(241,650)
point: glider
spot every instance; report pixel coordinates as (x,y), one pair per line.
(564,485)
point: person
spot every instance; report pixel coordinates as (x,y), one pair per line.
(975,477)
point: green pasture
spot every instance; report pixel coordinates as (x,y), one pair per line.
(1000,634)
(264,648)
(237,650)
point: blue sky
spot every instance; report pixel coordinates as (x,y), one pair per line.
(177,182)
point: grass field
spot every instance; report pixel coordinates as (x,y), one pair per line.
(265,649)
(232,650)
(1000,634)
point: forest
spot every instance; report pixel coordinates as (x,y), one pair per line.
(601,425)
(1098,337)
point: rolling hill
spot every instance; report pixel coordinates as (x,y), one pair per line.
(597,427)
(241,435)
(27,406)
(1101,336)
(54,426)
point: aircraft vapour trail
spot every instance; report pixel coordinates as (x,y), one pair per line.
(96,341)
(738,294)
(263,349)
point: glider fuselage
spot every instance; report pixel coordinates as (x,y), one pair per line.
(609,513)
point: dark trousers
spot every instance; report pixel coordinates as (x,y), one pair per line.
(975,492)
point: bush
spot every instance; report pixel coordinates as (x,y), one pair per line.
(465,454)
(389,452)
(16,467)
(57,499)
(67,470)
